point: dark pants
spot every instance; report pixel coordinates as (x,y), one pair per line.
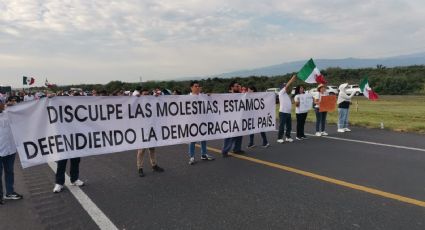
(320,120)
(228,143)
(285,120)
(7,163)
(263,136)
(74,171)
(301,117)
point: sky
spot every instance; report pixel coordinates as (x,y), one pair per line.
(97,41)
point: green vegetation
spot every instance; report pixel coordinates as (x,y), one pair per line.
(388,81)
(399,113)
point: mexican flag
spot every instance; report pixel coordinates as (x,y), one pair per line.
(367,91)
(28,80)
(310,73)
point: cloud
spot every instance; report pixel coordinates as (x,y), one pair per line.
(119,40)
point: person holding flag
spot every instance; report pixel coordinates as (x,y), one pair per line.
(285,112)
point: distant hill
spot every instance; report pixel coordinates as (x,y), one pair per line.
(346,63)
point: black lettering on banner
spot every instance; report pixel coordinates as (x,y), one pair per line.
(80,141)
(96,140)
(95,116)
(43,146)
(53,118)
(118,109)
(58,144)
(68,112)
(69,144)
(51,144)
(108,138)
(118,137)
(127,136)
(77,117)
(27,149)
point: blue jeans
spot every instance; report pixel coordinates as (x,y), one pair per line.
(263,136)
(342,118)
(192,148)
(7,162)
(320,120)
(228,143)
(285,120)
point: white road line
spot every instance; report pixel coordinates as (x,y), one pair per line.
(102,221)
(367,142)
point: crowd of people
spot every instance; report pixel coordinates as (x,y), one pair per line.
(232,144)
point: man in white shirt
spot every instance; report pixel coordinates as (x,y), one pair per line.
(285,112)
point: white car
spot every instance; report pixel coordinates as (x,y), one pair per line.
(353,89)
(332,90)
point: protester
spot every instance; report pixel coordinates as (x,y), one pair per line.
(13,98)
(299,97)
(196,89)
(285,112)
(141,152)
(343,102)
(74,171)
(29,97)
(236,142)
(7,159)
(252,89)
(320,116)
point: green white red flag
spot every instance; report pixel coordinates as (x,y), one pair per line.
(310,73)
(367,91)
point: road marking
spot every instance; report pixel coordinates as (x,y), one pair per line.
(367,142)
(102,221)
(328,179)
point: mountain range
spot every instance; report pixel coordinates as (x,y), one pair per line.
(346,63)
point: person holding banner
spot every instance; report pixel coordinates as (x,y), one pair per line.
(320,116)
(196,89)
(141,152)
(253,89)
(343,102)
(285,112)
(303,103)
(74,171)
(236,142)
(7,159)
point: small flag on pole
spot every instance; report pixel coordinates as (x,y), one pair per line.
(310,73)
(367,91)
(49,85)
(28,80)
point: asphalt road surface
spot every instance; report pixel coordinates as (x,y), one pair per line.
(365,179)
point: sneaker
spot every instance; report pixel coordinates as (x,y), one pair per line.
(347,130)
(251,146)
(58,188)
(288,139)
(298,138)
(280,141)
(341,130)
(318,134)
(239,152)
(207,157)
(304,137)
(192,160)
(266,145)
(13,196)
(156,168)
(324,133)
(78,183)
(141,174)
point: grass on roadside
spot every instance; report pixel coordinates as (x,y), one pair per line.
(398,113)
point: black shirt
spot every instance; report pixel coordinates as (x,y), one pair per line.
(344,105)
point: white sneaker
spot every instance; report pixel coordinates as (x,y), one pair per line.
(78,183)
(347,130)
(280,141)
(58,188)
(341,130)
(288,139)
(318,134)
(324,133)
(192,160)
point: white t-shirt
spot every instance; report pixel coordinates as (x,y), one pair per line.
(305,102)
(285,101)
(7,144)
(29,98)
(317,96)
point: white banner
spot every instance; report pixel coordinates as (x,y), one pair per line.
(306,102)
(53,129)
